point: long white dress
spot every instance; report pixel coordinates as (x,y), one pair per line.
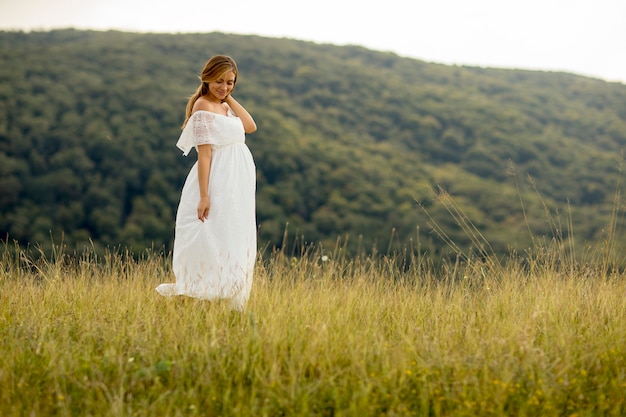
(215,259)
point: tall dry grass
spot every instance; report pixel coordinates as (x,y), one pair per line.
(396,336)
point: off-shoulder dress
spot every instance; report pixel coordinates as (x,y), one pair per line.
(215,259)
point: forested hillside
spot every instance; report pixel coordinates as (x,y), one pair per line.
(349,141)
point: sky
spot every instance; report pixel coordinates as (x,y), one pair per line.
(586,37)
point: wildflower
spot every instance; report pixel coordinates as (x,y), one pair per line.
(324,258)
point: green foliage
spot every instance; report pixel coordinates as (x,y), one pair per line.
(349,140)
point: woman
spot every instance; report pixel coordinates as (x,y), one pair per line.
(215,236)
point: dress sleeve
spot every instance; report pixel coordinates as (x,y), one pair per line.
(200,130)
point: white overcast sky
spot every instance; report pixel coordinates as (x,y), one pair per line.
(585,37)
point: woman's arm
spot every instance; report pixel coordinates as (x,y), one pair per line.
(248,122)
(204,168)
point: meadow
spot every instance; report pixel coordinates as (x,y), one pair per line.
(323,334)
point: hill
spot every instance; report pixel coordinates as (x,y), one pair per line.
(349,140)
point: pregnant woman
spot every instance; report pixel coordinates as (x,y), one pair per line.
(215,237)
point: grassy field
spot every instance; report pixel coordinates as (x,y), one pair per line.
(330,336)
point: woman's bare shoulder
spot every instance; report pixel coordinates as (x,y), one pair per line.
(206,105)
(201,104)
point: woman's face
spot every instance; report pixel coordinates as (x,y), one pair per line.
(223,86)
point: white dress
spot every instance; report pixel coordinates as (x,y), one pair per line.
(215,259)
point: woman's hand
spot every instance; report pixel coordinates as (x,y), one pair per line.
(249,126)
(203,209)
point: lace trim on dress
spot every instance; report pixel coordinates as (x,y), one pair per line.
(200,130)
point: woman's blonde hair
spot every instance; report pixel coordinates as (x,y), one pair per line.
(213,69)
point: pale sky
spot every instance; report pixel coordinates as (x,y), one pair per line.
(586,37)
